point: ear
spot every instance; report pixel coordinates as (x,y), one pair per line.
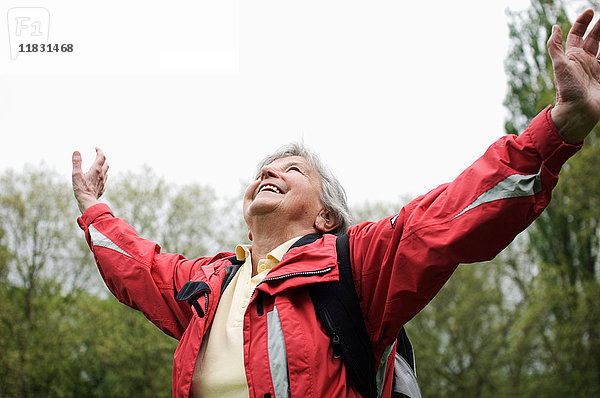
(325,222)
(250,235)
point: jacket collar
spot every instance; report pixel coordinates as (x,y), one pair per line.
(306,240)
(312,259)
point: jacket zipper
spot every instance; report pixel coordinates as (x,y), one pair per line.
(206,303)
(335,337)
(259,303)
(301,273)
(293,274)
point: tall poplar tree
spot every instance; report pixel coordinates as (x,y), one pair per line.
(561,320)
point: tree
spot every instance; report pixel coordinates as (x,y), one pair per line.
(528,66)
(561,299)
(58,336)
(37,214)
(187,219)
(459,338)
(43,272)
(118,352)
(525,324)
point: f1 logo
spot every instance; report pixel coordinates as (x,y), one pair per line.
(27,25)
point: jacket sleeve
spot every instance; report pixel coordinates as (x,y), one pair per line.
(136,272)
(402,261)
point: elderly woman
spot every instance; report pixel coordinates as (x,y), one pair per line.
(260,337)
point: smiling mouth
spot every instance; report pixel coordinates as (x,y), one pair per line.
(269,188)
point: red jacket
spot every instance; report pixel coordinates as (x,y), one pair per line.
(399,264)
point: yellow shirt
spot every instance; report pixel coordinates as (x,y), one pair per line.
(219,370)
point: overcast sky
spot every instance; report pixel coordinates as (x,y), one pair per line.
(397,97)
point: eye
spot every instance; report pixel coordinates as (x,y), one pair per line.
(294,168)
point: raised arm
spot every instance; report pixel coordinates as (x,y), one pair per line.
(577,79)
(401,262)
(134,269)
(89,186)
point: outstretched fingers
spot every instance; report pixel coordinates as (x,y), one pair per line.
(89,186)
(575,36)
(590,44)
(576,44)
(577,78)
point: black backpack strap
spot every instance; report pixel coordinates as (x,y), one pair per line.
(230,272)
(405,349)
(337,306)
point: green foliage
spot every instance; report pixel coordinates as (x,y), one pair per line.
(83,347)
(568,232)
(59,335)
(528,66)
(120,353)
(37,215)
(528,323)
(524,325)
(558,323)
(459,337)
(187,219)
(565,243)
(4,259)
(42,277)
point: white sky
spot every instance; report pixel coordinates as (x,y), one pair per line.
(397,97)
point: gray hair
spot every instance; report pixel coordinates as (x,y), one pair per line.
(333,195)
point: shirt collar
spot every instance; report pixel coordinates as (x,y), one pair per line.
(242,252)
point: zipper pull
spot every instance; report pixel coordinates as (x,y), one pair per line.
(332,330)
(336,346)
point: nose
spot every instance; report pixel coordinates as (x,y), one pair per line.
(268,171)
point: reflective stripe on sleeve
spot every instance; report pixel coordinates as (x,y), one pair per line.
(513,186)
(98,239)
